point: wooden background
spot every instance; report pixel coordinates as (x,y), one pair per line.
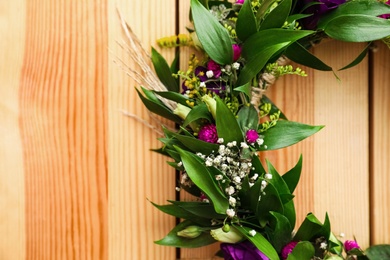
(76,174)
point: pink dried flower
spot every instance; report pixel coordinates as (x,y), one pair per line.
(236,52)
(350,244)
(215,68)
(251,136)
(208,133)
(385,16)
(240,2)
(287,249)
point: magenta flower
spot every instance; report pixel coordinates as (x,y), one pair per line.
(215,68)
(240,2)
(242,251)
(287,249)
(208,133)
(251,136)
(385,16)
(236,52)
(350,244)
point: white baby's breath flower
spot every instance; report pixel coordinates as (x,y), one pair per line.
(209,73)
(244,145)
(230,212)
(268,176)
(323,245)
(260,141)
(219,177)
(232,201)
(220,140)
(236,65)
(230,190)
(255,176)
(252,233)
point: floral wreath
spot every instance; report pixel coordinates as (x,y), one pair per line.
(224,121)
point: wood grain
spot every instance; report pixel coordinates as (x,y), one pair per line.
(380,146)
(63,124)
(12,201)
(136,174)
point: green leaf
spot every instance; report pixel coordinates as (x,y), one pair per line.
(212,35)
(246,89)
(163,71)
(174,96)
(261,46)
(248,118)
(246,22)
(292,176)
(299,54)
(227,125)
(309,228)
(158,108)
(197,145)
(365,7)
(259,241)
(378,252)
(286,133)
(179,212)
(281,231)
(199,209)
(264,7)
(358,59)
(277,17)
(201,177)
(198,112)
(172,239)
(357,28)
(304,250)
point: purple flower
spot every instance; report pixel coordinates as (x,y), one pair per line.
(385,16)
(251,136)
(208,133)
(350,244)
(215,68)
(212,85)
(236,52)
(319,10)
(242,251)
(287,249)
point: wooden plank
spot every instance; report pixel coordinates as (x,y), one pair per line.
(12,202)
(341,148)
(63,124)
(136,174)
(380,146)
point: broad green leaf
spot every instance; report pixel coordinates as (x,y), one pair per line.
(277,17)
(309,228)
(277,180)
(264,7)
(159,109)
(246,89)
(265,203)
(172,239)
(227,125)
(357,28)
(201,177)
(197,145)
(281,231)
(212,35)
(261,46)
(174,96)
(163,71)
(304,250)
(358,59)
(274,108)
(200,209)
(259,241)
(198,112)
(295,17)
(175,65)
(286,133)
(378,252)
(299,54)
(248,118)
(365,7)
(246,22)
(291,177)
(179,212)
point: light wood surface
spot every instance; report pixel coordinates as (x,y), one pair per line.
(76,174)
